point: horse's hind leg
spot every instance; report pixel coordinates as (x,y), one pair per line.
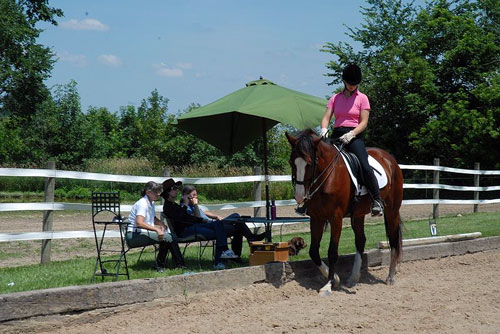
(393,230)
(358,226)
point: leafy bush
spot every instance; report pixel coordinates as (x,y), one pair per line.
(121,166)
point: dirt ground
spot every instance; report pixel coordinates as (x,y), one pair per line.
(459,294)
(28,252)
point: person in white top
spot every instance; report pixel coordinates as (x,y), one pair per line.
(145,229)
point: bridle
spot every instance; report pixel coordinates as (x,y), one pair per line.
(333,162)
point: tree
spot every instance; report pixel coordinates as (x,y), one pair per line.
(101,134)
(183,149)
(24,64)
(432,78)
(152,117)
(57,130)
(143,132)
(464,53)
(11,143)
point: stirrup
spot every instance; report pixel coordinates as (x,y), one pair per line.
(301,210)
(377,208)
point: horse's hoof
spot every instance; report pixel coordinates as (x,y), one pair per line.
(326,290)
(336,281)
(323,268)
(351,283)
(390,281)
(325,293)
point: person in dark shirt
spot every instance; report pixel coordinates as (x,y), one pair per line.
(187,225)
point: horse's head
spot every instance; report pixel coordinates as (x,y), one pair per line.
(303,155)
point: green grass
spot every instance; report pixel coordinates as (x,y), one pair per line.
(79,271)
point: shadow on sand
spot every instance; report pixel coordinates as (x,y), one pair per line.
(308,275)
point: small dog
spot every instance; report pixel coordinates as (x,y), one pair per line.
(295,245)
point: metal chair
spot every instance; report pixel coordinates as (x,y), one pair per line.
(109,202)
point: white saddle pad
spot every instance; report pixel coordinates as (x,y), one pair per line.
(379,172)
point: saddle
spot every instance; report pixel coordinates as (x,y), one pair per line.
(354,168)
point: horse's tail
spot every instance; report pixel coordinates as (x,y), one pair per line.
(399,248)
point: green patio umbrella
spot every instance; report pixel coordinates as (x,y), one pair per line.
(239,118)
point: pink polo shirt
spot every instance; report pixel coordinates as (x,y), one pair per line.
(347,110)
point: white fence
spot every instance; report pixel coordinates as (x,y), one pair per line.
(51,174)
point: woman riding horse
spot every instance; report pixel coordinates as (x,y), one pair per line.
(321,180)
(352,110)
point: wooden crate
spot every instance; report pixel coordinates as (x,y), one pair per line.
(264,252)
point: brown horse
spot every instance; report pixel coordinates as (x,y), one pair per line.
(321,181)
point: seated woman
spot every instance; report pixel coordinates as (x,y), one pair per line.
(145,229)
(237,230)
(186,225)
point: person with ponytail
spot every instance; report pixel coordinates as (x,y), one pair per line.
(351,109)
(145,229)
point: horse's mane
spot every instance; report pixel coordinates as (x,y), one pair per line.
(305,145)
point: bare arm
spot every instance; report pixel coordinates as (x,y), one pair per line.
(194,203)
(139,221)
(327,117)
(160,223)
(212,215)
(363,122)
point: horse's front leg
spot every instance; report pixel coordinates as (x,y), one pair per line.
(358,226)
(333,255)
(316,236)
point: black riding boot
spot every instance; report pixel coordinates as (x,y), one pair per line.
(377,208)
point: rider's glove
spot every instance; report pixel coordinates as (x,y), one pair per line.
(347,137)
(323,132)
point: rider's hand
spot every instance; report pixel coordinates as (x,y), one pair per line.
(323,132)
(347,137)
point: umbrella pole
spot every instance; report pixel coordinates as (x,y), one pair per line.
(266,175)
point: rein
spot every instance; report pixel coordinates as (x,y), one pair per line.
(333,162)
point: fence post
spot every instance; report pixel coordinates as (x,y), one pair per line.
(476,184)
(50,184)
(257,191)
(435,193)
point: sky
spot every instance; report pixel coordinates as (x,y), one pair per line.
(119,51)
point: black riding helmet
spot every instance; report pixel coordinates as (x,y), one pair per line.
(352,74)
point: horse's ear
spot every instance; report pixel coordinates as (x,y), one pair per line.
(316,140)
(292,140)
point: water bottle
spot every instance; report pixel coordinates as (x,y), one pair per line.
(273,209)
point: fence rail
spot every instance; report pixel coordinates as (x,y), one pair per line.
(50,206)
